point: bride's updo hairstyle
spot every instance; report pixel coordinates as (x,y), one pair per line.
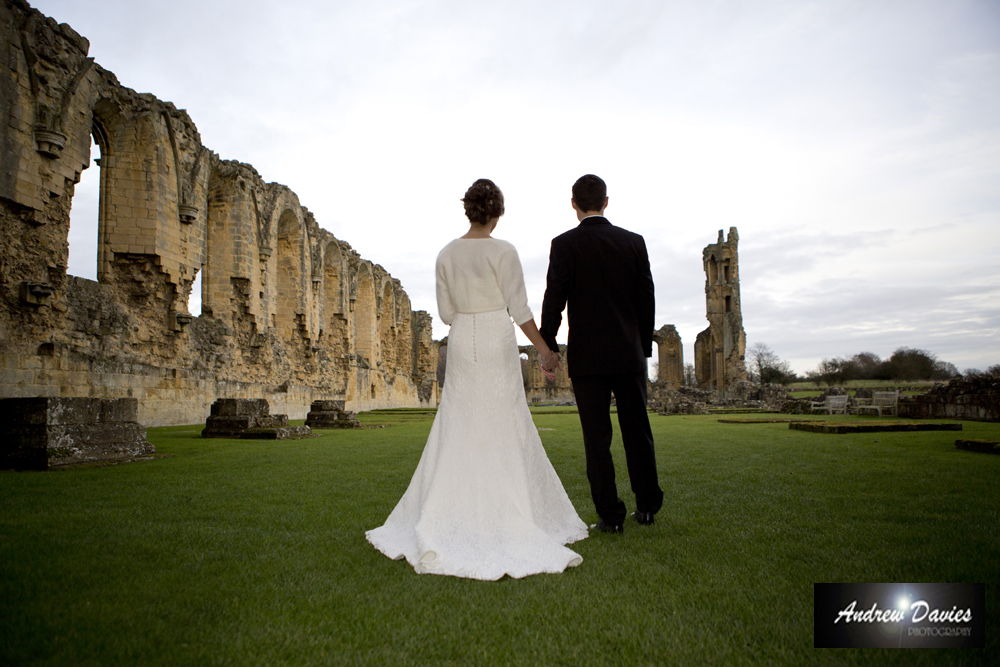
(483,201)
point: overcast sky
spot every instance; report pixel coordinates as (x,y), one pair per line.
(855,145)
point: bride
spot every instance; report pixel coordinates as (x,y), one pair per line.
(484,501)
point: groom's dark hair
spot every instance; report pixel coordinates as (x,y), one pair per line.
(589,193)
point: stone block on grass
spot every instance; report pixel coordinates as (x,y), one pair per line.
(869,427)
(331,414)
(981,446)
(249,418)
(48,432)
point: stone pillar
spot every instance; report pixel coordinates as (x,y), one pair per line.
(670,356)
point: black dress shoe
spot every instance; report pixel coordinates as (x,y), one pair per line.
(608,527)
(644,518)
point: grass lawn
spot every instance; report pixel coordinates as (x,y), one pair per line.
(253,552)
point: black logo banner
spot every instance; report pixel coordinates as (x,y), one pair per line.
(899,615)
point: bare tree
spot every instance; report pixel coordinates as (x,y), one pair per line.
(766,367)
(690,379)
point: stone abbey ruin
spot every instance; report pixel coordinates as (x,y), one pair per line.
(290,314)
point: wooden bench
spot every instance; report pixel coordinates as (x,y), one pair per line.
(832,404)
(882,400)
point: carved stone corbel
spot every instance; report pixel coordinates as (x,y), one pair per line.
(36,293)
(49,142)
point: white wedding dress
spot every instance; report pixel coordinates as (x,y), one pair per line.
(484,501)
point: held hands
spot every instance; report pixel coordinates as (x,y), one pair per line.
(550,365)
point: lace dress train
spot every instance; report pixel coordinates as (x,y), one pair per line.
(484,501)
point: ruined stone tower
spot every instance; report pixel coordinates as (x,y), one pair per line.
(719,349)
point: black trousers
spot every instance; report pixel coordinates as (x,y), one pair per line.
(593,399)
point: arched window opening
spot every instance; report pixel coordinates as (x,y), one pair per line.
(83,217)
(713,271)
(194,298)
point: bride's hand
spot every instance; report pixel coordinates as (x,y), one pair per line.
(550,365)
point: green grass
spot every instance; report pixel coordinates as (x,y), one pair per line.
(253,552)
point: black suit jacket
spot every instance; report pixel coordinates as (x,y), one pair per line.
(602,272)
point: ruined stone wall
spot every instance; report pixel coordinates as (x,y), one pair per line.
(719,350)
(974,398)
(289,312)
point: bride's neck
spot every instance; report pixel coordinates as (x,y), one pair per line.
(478,231)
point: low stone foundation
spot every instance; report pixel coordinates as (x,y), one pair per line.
(981,446)
(331,414)
(976,398)
(47,432)
(249,418)
(817,426)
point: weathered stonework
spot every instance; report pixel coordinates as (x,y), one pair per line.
(975,398)
(719,350)
(289,312)
(41,433)
(331,414)
(251,419)
(670,356)
(667,399)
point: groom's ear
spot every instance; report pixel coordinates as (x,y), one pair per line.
(572,202)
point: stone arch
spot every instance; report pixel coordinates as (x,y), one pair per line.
(334,321)
(365,338)
(106,124)
(290,307)
(333,286)
(84,236)
(405,343)
(387,324)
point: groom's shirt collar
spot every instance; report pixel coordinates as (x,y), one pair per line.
(594,219)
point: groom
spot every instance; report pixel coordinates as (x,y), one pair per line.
(602,271)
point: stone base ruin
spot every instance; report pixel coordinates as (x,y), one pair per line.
(666,398)
(42,433)
(249,418)
(331,414)
(980,446)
